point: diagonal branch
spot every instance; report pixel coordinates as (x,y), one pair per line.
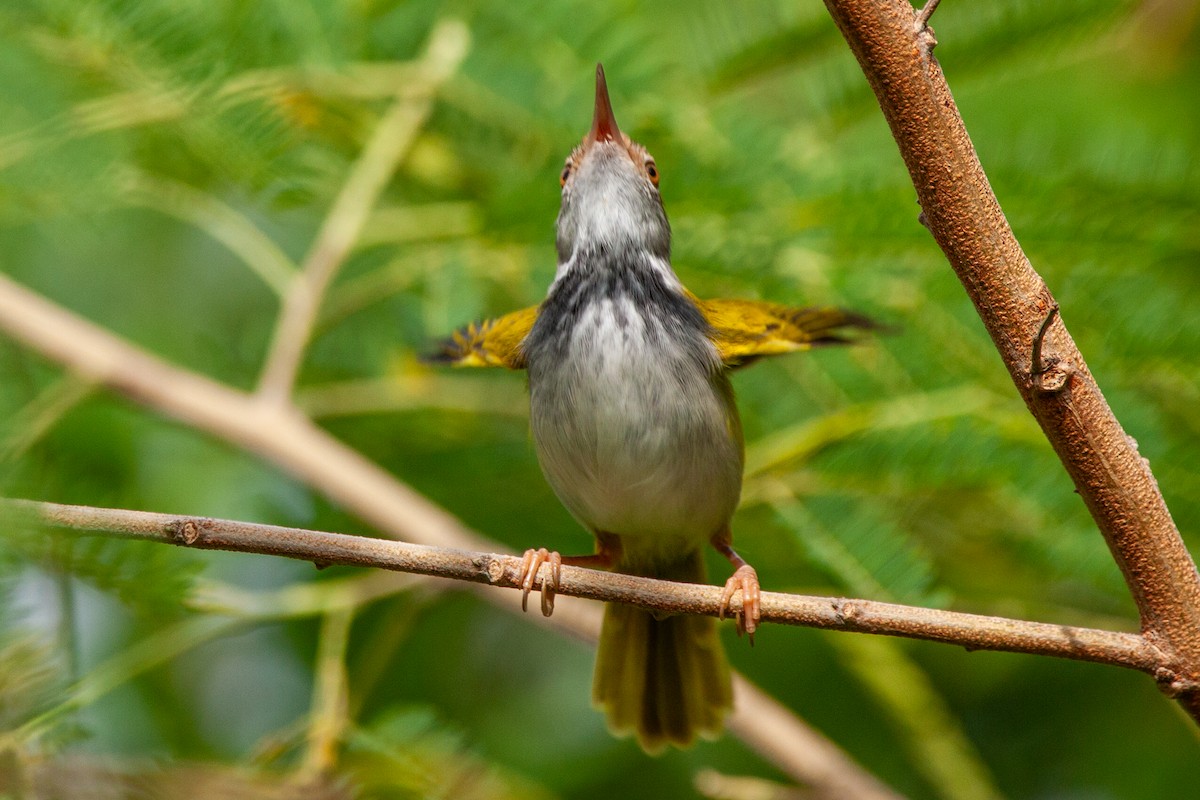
(390,142)
(283,436)
(973,631)
(894,48)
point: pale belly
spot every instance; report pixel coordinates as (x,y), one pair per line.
(637,437)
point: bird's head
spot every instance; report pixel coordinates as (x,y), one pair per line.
(610,191)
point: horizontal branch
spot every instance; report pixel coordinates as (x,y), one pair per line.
(972,631)
(290,440)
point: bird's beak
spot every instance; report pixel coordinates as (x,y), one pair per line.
(604,124)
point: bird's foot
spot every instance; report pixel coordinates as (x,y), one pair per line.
(531,562)
(743,579)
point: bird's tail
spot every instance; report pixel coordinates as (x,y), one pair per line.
(665,680)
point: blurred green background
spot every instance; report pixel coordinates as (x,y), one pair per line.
(141,143)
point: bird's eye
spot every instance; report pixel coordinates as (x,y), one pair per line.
(566,173)
(652,172)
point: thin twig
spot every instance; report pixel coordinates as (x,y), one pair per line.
(301,599)
(390,142)
(1049,374)
(37,417)
(228,226)
(964,216)
(718,786)
(925,13)
(972,631)
(418,389)
(158,648)
(286,438)
(1037,365)
(331,691)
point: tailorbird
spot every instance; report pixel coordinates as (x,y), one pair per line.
(635,425)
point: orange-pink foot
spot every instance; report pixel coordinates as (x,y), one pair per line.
(531,562)
(745,580)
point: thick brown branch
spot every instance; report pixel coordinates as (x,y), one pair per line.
(962,212)
(972,631)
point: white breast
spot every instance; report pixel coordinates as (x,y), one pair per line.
(637,435)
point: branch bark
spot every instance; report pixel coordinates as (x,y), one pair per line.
(895,49)
(973,631)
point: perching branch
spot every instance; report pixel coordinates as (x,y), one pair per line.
(894,48)
(285,437)
(973,631)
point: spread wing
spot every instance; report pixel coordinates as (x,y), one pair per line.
(746,330)
(743,331)
(491,343)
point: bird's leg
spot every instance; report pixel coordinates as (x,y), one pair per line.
(608,551)
(744,578)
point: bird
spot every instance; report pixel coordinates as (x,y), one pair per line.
(636,429)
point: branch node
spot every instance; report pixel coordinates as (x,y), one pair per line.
(1054,379)
(320,565)
(847,613)
(492,567)
(1040,338)
(1173,684)
(922,19)
(186,531)
(925,35)
(1050,375)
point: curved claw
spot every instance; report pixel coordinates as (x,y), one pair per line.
(531,562)
(550,583)
(743,579)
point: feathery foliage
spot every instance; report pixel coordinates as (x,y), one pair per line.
(164,166)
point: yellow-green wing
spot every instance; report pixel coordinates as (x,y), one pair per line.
(746,330)
(743,331)
(491,343)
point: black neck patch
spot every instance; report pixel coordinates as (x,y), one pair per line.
(630,280)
